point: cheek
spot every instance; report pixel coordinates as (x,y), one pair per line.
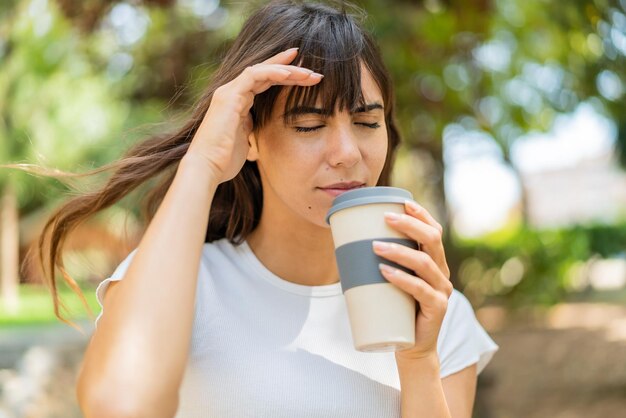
(289,166)
(377,154)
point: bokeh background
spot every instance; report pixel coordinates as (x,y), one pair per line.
(512,113)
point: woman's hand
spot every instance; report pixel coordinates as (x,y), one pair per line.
(222,138)
(430,286)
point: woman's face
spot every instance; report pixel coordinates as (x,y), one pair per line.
(297,160)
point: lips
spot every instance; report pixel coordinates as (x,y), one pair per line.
(339,188)
(344,185)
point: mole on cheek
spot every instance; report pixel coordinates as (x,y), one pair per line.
(309,207)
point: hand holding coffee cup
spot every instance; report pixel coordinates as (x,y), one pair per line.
(429,280)
(382,307)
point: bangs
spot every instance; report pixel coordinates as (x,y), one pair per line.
(333,46)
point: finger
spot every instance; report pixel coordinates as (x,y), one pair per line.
(415,260)
(264,86)
(428,236)
(284,57)
(296,70)
(256,78)
(419,212)
(428,298)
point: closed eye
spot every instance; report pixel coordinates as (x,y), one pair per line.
(314,128)
(370,125)
(308,129)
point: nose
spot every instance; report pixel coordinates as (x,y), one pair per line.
(343,147)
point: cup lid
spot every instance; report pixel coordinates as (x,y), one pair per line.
(367,195)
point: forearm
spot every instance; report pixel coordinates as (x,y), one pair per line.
(140,348)
(422,393)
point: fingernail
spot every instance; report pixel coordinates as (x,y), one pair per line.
(381,246)
(392,216)
(385,268)
(292,49)
(305,70)
(318,75)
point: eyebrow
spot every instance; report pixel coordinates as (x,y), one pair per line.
(304,110)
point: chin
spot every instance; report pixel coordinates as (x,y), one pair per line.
(319,219)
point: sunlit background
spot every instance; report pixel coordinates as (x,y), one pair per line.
(512,114)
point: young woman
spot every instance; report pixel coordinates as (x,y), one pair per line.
(231,306)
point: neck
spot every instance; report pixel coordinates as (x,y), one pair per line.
(294,249)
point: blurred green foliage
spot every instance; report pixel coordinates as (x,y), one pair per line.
(36,307)
(536,267)
(73,100)
(82,80)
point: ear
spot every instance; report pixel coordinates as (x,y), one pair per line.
(253,151)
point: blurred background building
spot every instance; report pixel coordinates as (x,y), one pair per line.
(592,190)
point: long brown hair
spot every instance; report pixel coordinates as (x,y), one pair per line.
(331,41)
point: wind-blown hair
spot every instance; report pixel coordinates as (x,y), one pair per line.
(331,41)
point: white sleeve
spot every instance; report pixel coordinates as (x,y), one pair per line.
(118,274)
(462,340)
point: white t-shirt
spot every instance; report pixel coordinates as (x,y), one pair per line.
(262,346)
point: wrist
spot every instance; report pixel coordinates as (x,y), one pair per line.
(426,364)
(197,165)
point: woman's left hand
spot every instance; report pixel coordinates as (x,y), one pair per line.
(431,285)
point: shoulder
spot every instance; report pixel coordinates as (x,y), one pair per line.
(222,249)
(462,340)
(211,251)
(458,312)
(121,268)
(460,317)
(458,303)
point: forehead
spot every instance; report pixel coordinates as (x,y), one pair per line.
(369,87)
(371,91)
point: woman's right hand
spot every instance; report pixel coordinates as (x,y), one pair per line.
(222,138)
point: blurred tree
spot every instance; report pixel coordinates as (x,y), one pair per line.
(501,68)
(69,87)
(42,67)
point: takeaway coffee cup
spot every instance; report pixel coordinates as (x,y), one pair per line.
(382,316)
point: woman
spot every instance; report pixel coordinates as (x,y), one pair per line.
(231,303)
